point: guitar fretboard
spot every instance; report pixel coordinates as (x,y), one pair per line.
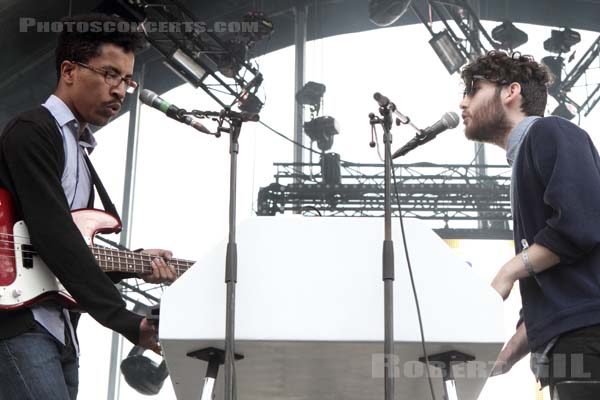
(111,260)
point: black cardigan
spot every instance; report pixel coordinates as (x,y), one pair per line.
(31,165)
(557,205)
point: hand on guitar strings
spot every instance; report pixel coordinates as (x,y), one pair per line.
(162,272)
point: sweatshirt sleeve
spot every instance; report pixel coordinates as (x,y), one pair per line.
(567,163)
(32,160)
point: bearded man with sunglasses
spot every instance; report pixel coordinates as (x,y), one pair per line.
(45,169)
(555,196)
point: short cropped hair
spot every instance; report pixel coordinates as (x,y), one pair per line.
(81,45)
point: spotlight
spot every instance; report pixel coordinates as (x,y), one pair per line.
(386,12)
(322,130)
(311,95)
(555,65)
(190,67)
(250,103)
(561,41)
(230,62)
(447,51)
(143,374)
(264,25)
(565,110)
(509,36)
(331,169)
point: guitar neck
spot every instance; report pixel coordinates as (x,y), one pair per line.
(111,260)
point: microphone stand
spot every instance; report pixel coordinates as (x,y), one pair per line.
(231,260)
(388,251)
(234,121)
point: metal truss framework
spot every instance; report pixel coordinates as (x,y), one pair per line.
(466,21)
(194,52)
(455,195)
(580,76)
(583,77)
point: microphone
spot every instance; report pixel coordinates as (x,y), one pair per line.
(151,99)
(381,99)
(449,120)
(385,102)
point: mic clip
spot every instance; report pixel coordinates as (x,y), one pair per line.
(181,114)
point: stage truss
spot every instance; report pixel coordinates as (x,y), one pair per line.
(460,201)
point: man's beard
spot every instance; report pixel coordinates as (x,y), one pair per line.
(489,123)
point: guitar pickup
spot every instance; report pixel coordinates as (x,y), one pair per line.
(27,251)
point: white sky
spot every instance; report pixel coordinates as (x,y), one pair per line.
(183,176)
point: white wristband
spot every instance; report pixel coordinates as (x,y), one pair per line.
(528,265)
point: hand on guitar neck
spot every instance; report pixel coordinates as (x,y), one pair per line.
(162,272)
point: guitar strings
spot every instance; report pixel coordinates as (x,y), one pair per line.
(117,255)
(11,242)
(94,247)
(180,269)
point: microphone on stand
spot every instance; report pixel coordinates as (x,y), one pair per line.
(151,99)
(381,99)
(449,120)
(385,102)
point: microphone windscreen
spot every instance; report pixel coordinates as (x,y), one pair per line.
(147,96)
(381,99)
(450,120)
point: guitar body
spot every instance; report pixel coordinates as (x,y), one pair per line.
(8,272)
(25,277)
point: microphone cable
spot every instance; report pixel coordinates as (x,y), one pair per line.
(412,280)
(287,138)
(406,252)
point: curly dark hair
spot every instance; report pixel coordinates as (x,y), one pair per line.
(83,35)
(498,66)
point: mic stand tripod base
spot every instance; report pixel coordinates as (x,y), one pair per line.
(444,361)
(214,357)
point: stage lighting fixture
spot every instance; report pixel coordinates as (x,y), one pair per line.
(447,51)
(386,12)
(311,95)
(562,41)
(509,36)
(230,62)
(565,110)
(262,22)
(188,64)
(143,374)
(331,169)
(322,130)
(555,65)
(250,103)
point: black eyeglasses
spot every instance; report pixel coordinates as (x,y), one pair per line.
(112,78)
(470,87)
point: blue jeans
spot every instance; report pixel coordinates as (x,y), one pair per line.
(35,366)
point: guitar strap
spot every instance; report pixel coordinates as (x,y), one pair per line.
(106,201)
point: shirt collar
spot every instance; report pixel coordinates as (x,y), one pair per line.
(516,137)
(64,117)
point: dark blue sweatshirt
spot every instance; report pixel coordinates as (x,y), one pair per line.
(557,205)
